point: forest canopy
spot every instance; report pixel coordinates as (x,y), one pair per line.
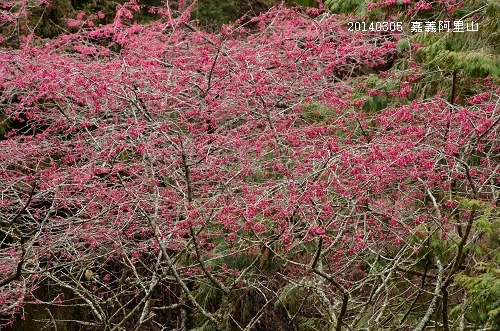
(164,171)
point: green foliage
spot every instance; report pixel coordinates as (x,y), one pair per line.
(296,299)
(403,46)
(483,294)
(316,112)
(470,203)
(307,3)
(49,22)
(291,298)
(107,7)
(470,53)
(484,223)
(482,282)
(212,14)
(346,6)
(380,100)
(207,294)
(360,10)
(311,324)
(215,12)
(232,261)
(263,176)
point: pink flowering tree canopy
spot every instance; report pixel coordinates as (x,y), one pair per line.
(158,176)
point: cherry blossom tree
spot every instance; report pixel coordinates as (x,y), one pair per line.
(159,177)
